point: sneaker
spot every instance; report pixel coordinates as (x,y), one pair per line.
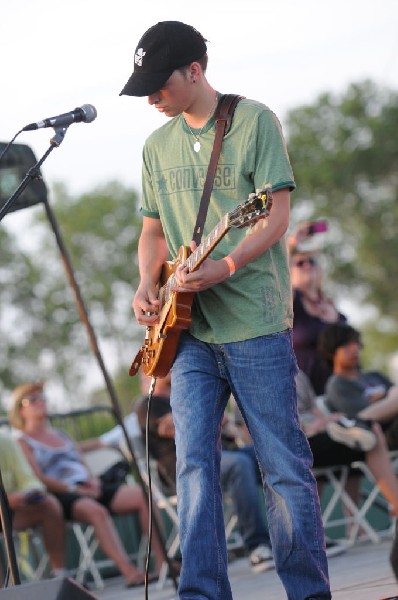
(354,433)
(261,558)
(334,548)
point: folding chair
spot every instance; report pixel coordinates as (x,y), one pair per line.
(232,533)
(337,476)
(372,497)
(31,554)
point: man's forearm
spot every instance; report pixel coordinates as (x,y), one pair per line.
(152,253)
(265,233)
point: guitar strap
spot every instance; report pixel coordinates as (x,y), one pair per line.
(223,120)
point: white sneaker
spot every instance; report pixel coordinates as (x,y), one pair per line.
(353,433)
(261,559)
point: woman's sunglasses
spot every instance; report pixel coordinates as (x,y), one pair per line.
(32,398)
(306,261)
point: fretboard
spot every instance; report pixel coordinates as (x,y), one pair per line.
(195,259)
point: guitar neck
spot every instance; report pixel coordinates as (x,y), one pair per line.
(195,259)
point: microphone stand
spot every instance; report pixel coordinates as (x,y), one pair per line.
(5,521)
(33,172)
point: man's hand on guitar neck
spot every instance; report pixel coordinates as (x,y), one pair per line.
(209,273)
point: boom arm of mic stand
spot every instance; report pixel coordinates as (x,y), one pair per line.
(33,172)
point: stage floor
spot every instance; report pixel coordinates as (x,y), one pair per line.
(363,572)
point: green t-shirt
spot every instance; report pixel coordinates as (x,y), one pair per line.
(16,471)
(257,299)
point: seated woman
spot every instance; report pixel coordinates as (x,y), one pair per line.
(57,462)
(29,503)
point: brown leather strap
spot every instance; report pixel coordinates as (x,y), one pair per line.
(223,120)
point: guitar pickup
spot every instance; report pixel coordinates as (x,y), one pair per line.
(162,336)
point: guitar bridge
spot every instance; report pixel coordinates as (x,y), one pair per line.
(162,336)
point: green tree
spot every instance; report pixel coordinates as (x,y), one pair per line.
(100,230)
(19,274)
(344,150)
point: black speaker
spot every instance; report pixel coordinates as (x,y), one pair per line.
(14,166)
(48,589)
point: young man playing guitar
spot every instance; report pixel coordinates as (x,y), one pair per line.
(239,337)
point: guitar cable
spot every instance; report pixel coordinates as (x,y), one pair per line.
(150,518)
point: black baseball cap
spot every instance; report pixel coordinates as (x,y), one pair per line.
(162,49)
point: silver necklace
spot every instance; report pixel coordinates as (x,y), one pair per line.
(197,144)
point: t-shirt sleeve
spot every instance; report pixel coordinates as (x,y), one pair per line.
(345,396)
(272,159)
(149,207)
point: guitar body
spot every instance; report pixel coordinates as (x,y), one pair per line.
(161,340)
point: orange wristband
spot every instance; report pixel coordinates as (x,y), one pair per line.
(231,265)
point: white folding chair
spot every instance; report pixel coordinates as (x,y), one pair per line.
(356,518)
(31,554)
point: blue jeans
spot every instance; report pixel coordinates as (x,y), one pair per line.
(260,373)
(239,481)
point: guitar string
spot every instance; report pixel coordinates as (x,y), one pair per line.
(213,235)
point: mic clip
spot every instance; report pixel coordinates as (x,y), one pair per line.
(59,135)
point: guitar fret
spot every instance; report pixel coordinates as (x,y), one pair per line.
(208,244)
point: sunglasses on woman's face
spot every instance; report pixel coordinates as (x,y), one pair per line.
(311,261)
(32,399)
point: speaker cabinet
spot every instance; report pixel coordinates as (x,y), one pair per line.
(48,589)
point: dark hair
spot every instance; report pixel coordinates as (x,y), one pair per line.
(203,60)
(334,336)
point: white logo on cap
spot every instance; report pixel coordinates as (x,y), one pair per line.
(139,55)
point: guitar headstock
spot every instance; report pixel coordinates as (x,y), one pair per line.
(256,207)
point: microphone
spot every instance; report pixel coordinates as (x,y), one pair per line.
(85,113)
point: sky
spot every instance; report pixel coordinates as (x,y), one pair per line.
(60,55)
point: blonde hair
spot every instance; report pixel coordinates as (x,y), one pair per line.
(21,392)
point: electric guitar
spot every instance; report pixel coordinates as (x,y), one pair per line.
(160,346)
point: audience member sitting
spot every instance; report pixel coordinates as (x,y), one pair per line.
(329,452)
(238,471)
(30,504)
(367,395)
(57,462)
